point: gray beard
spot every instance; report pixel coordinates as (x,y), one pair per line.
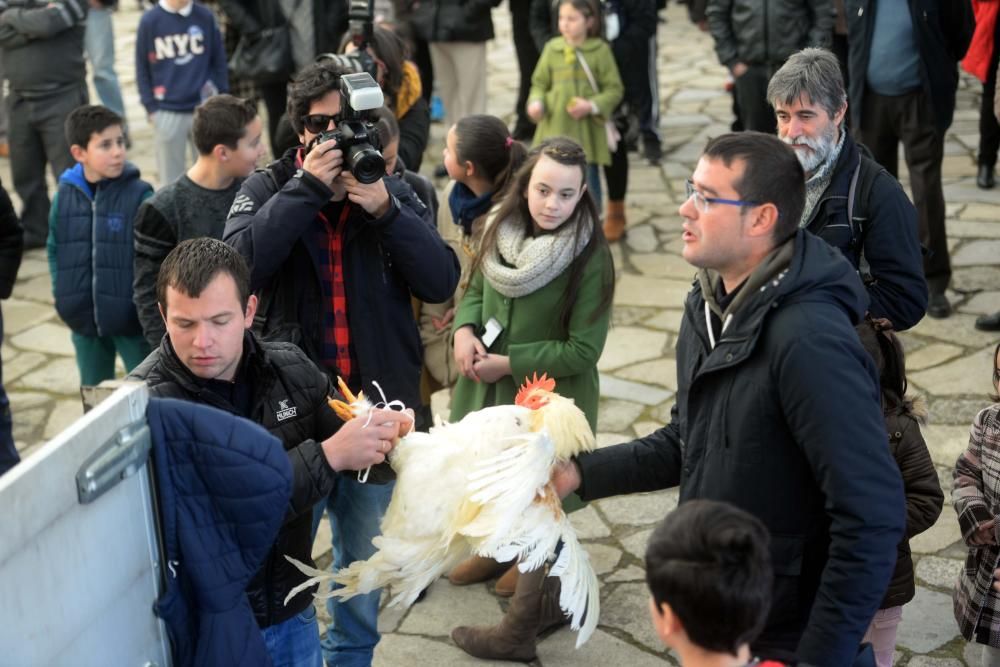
(821,149)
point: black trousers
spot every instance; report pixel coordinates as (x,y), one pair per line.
(885,122)
(616,173)
(750,91)
(989,129)
(527,58)
(37,135)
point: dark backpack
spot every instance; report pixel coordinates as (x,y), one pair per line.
(858,197)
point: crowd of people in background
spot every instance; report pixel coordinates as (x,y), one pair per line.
(245,284)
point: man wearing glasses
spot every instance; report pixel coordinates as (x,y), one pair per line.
(777,407)
(334,262)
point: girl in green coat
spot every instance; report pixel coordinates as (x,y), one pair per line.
(544,280)
(576,86)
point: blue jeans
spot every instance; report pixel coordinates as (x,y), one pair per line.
(355,512)
(99,43)
(594,185)
(8,453)
(295,642)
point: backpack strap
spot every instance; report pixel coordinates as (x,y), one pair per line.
(858,198)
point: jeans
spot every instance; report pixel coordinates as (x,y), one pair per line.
(355,512)
(8,452)
(99,43)
(295,643)
(95,355)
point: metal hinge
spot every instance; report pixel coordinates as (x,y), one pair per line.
(120,457)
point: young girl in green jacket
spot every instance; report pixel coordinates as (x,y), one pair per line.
(539,302)
(576,86)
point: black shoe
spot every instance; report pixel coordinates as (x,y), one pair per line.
(440,171)
(984,179)
(938,306)
(652,152)
(988,322)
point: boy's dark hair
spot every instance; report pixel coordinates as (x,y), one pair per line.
(771,174)
(485,141)
(87,120)
(583,220)
(313,83)
(194,263)
(221,119)
(710,561)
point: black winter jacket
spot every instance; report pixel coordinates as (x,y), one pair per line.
(385,259)
(888,238)
(760,422)
(42,43)
(453,20)
(11,244)
(942,30)
(290,401)
(766,32)
(924,498)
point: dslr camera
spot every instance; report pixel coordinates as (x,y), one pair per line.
(360,17)
(355,134)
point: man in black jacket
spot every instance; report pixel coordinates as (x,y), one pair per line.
(777,406)
(904,73)
(11,246)
(210,356)
(335,262)
(851,202)
(754,37)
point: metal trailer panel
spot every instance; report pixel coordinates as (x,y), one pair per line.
(78,581)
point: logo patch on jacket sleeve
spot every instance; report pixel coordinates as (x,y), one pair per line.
(284,411)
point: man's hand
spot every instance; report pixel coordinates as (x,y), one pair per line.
(325,161)
(373,197)
(579,107)
(739,69)
(566,478)
(536,110)
(357,446)
(492,367)
(984,534)
(468,348)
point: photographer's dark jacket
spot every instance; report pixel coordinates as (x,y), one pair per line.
(942,31)
(453,20)
(91,255)
(782,418)
(888,238)
(288,397)
(11,244)
(386,260)
(766,32)
(42,42)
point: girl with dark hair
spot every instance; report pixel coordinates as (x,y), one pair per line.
(924,499)
(539,301)
(977,501)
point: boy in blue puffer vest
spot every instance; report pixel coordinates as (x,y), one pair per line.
(90,245)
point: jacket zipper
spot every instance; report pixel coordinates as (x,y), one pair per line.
(93,260)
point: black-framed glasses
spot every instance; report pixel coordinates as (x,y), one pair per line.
(702,203)
(319,122)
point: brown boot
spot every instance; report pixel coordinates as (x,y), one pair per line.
(475,570)
(614,221)
(507,584)
(552,616)
(514,637)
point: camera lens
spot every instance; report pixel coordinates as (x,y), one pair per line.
(366,163)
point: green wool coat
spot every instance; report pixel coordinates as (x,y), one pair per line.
(535,341)
(558,78)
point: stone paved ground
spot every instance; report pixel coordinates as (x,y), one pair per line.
(949,363)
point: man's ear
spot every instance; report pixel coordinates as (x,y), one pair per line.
(220,153)
(763,219)
(838,118)
(250,312)
(78,152)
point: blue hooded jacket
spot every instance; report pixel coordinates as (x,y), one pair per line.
(91,251)
(223,486)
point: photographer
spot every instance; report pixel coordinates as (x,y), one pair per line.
(334,262)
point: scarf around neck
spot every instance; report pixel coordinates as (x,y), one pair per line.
(519,264)
(466,206)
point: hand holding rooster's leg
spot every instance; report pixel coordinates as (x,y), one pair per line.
(363,442)
(566,477)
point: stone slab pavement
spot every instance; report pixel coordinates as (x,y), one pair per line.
(948,360)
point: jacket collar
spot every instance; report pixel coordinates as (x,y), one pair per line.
(74,177)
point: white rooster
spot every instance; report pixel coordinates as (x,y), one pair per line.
(481,485)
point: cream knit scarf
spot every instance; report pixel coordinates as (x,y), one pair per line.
(520,264)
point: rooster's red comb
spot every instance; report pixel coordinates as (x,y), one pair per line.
(530,396)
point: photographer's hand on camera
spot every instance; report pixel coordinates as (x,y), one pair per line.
(373,197)
(325,162)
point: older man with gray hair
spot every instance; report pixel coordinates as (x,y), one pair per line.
(851,201)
